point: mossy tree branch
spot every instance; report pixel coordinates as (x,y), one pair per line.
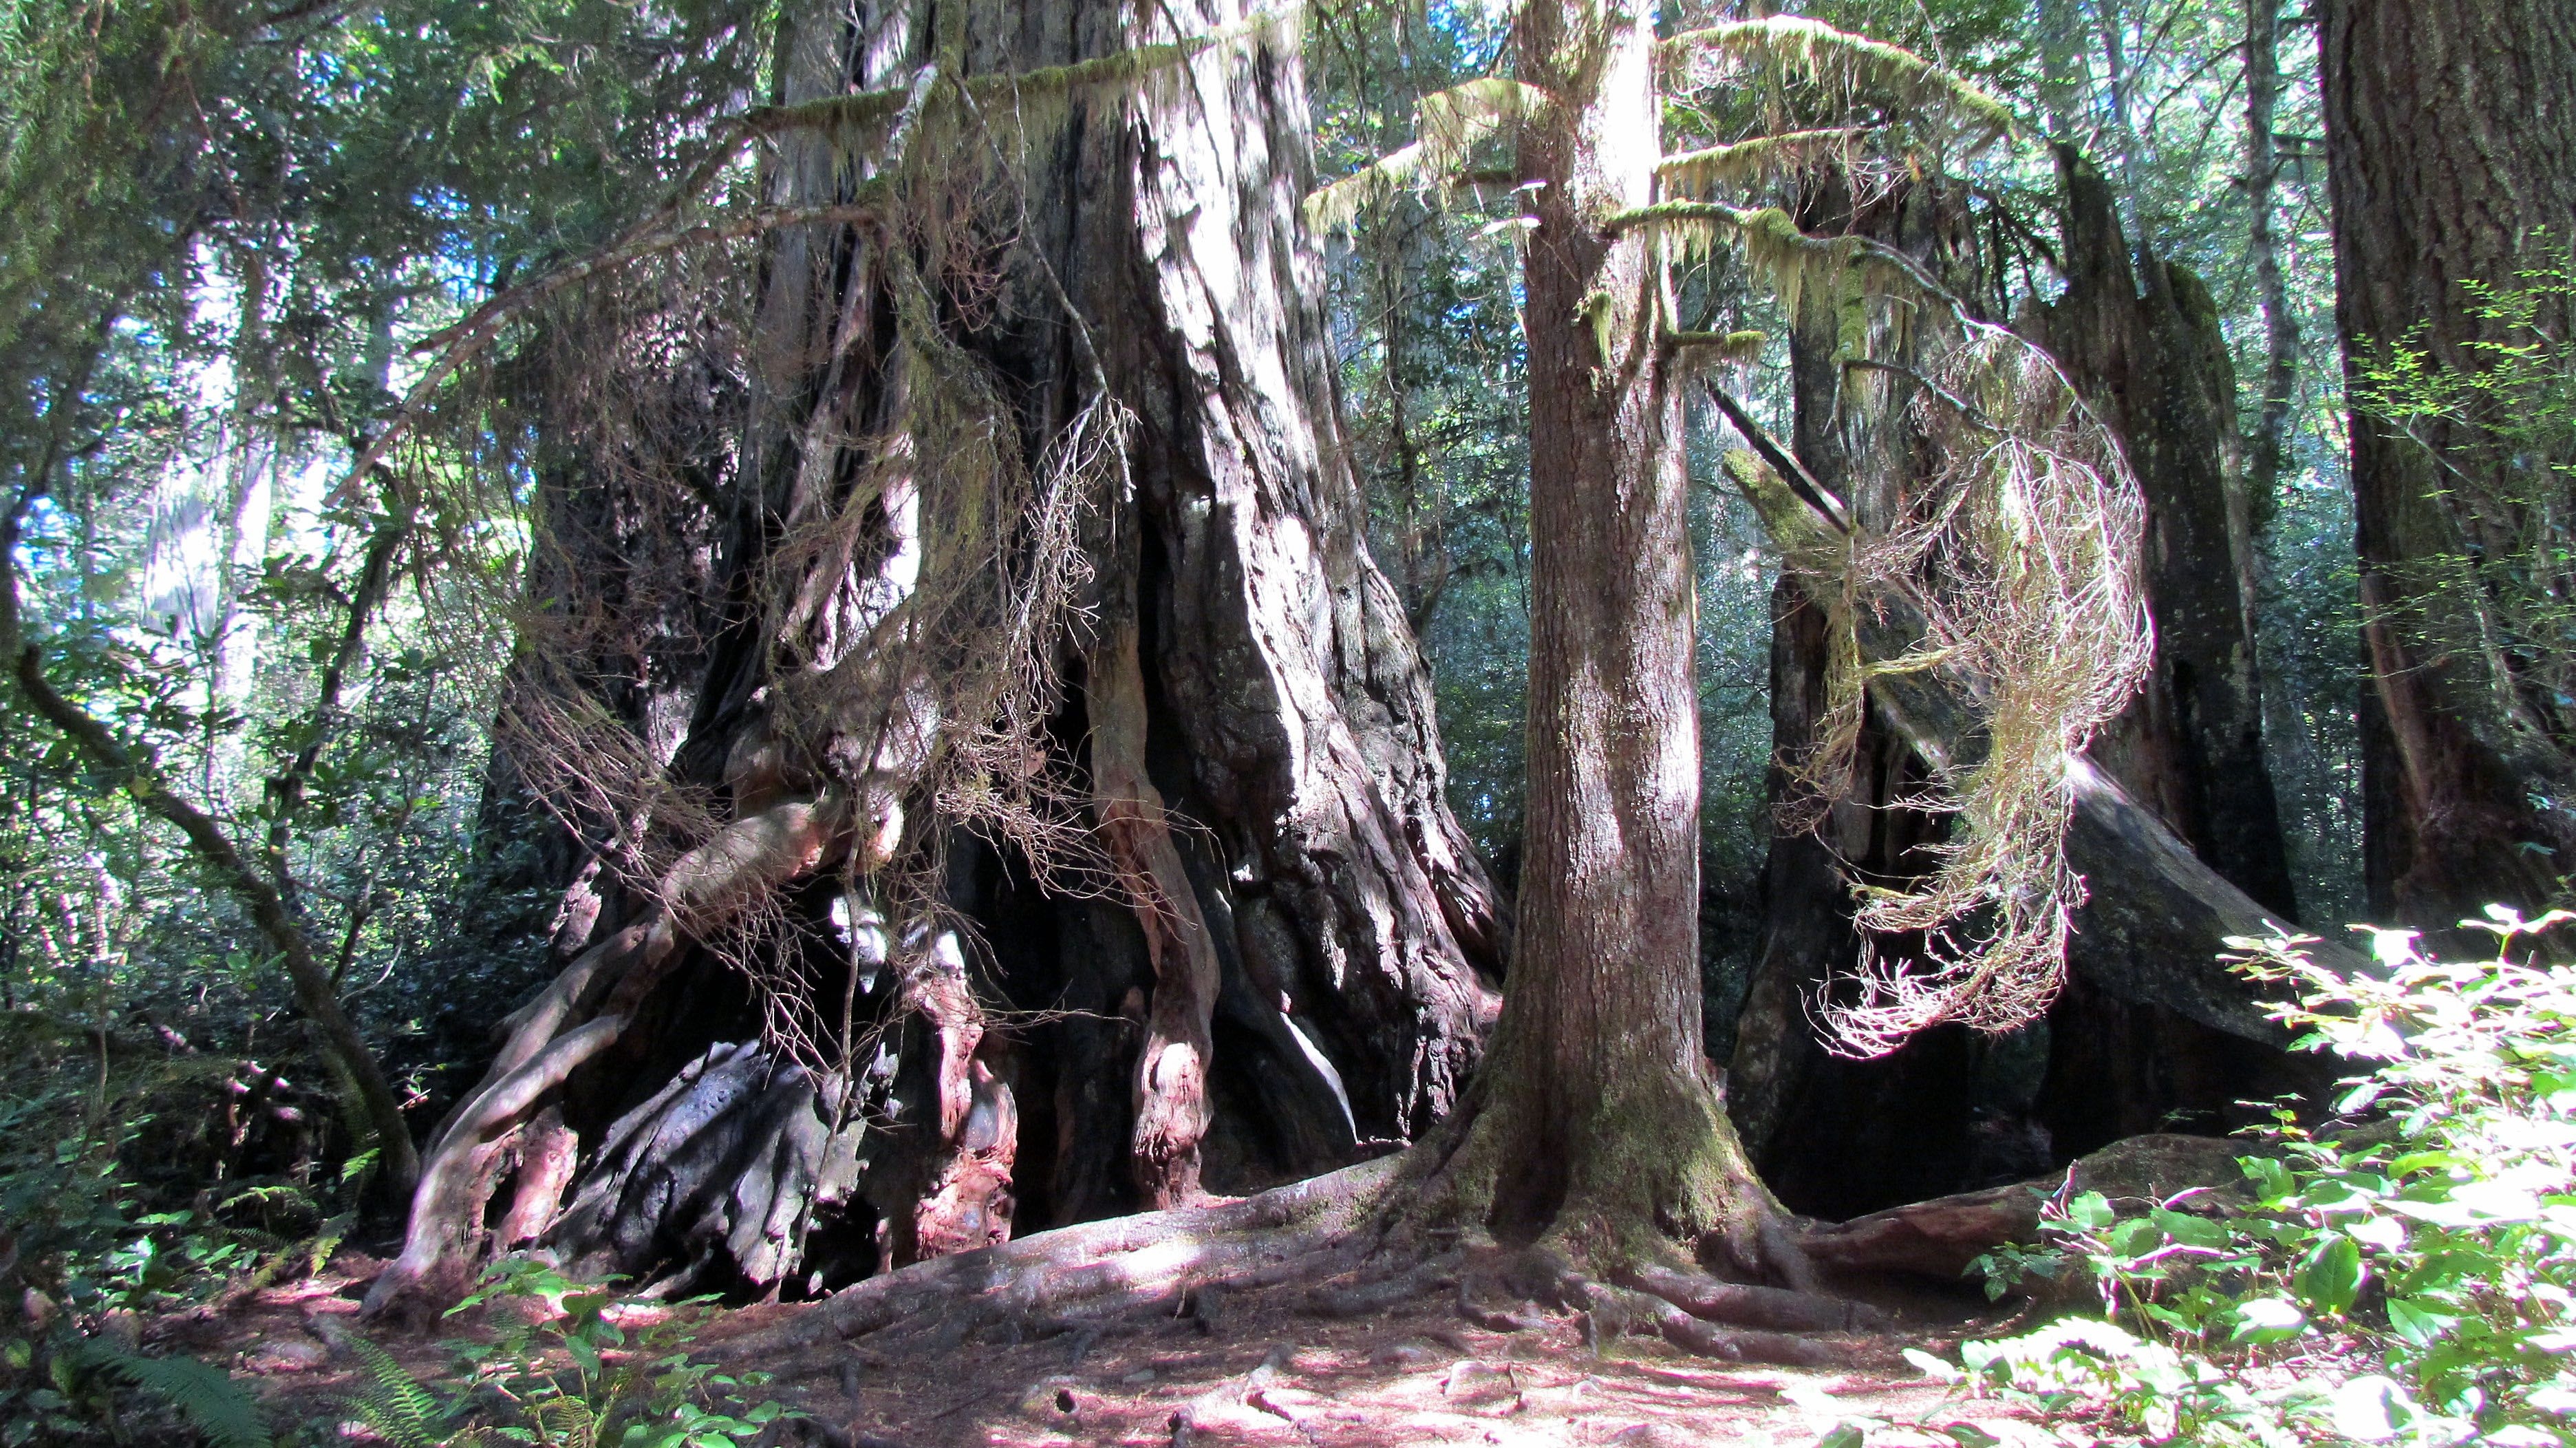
(1796,43)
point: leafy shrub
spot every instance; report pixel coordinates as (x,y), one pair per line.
(108,1146)
(2407,1281)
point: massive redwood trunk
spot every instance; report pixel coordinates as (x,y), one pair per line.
(1244,941)
(2448,133)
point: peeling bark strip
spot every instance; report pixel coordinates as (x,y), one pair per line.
(1172,1068)
(966,1202)
(1310,955)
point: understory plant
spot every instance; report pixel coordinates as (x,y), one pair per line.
(562,1367)
(138,1177)
(2400,1276)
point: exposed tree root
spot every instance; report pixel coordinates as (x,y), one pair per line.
(1359,1236)
(544,1045)
(1749,1306)
(1369,1238)
(1613,1311)
(1378,1290)
(1100,1269)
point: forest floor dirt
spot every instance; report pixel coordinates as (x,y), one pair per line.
(1255,1369)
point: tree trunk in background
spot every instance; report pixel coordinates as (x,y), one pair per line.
(2137,1036)
(1313,966)
(2267,454)
(2155,363)
(2065,79)
(2190,748)
(2448,136)
(1836,1137)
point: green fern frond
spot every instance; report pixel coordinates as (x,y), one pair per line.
(1796,45)
(205,1394)
(397,1404)
(569,1419)
(327,1240)
(1447,127)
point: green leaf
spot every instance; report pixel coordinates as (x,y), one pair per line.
(1842,1435)
(2268,1319)
(1969,1435)
(2416,1322)
(2330,1279)
(2272,1180)
(2366,1409)
(2191,1231)
(2136,1237)
(2091,1212)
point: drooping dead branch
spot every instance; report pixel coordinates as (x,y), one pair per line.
(2020,560)
(2024,553)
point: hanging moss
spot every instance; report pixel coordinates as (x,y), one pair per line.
(1449,124)
(1795,47)
(1763,158)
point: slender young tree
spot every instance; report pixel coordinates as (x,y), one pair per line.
(1596,1113)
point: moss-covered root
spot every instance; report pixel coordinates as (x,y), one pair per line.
(1636,1212)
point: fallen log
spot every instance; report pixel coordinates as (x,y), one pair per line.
(1940,1237)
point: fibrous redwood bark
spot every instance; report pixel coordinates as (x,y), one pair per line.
(1276,932)
(2447,132)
